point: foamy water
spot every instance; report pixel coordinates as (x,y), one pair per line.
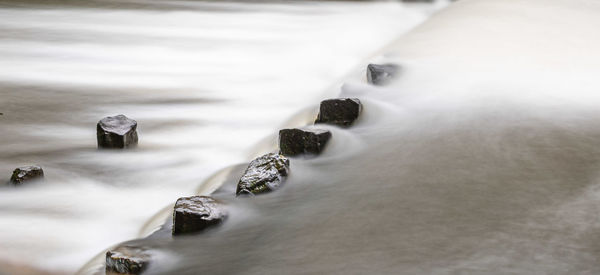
(206,81)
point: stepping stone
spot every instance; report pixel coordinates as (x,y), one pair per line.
(293,142)
(117,132)
(339,111)
(264,174)
(127,260)
(381,74)
(26,174)
(197,213)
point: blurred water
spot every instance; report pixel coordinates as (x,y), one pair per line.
(205,80)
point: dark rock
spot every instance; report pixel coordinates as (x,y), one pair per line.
(293,142)
(117,132)
(264,174)
(127,260)
(381,74)
(339,111)
(26,174)
(197,213)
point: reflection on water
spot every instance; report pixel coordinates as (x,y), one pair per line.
(204,80)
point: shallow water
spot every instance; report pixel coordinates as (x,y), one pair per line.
(206,81)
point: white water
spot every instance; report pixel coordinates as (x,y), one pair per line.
(482,158)
(205,81)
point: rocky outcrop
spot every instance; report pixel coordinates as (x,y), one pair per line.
(127,260)
(293,142)
(381,74)
(264,174)
(339,111)
(117,132)
(197,213)
(26,174)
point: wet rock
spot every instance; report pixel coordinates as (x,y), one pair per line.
(293,142)
(127,260)
(339,111)
(117,132)
(264,174)
(25,174)
(381,74)
(197,213)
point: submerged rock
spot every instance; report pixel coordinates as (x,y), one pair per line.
(381,74)
(339,111)
(117,132)
(127,260)
(26,174)
(264,174)
(293,142)
(194,214)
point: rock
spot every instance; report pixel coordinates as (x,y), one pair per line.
(381,74)
(293,142)
(26,174)
(339,111)
(117,132)
(197,213)
(127,260)
(264,174)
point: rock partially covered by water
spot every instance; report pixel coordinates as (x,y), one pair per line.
(117,132)
(127,260)
(293,142)
(339,111)
(197,213)
(25,174)
(264,174)
(381,74)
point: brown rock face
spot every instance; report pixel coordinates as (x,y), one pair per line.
(339,111)
(116,132)
(264,174)
(197,213)
(293,142)
(127,260)
(26,174)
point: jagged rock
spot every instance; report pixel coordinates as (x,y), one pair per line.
(25,174)
(194,214)
(264,174)
(127,260)
(117,132)
(293,142)
(381,74)
(339,111)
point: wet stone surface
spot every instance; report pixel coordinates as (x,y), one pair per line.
(293,142)
(381,74)
(26,174)
(197,213)
(339,111)
(127,260)
(117,132)
(264,174)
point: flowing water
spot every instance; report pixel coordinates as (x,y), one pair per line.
(207,82)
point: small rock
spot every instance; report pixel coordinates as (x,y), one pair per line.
(264,174)
(381,74)
(117,132)
(293,142)
(26,174)
(194,214)
(339,111)
(127,260)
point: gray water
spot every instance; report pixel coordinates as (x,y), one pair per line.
(208,82)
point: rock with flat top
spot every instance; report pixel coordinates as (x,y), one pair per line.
(197,213)
(26,174)
(293,142)
(264,174)
(339,111)
(381,74)
(117,132)
(127,260)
